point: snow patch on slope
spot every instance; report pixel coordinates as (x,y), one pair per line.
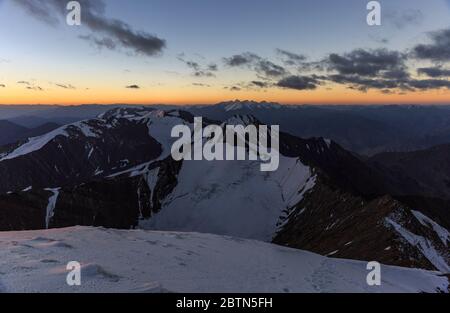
(152,178)
(35,144)
(160,127)
(443,233)
(51,205)
(86,129)
(232,198)
(424,245)
(243,120)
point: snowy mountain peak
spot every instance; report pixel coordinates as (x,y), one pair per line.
(242,119)
(34,144)
(125,112)
(249,105)
(89,128)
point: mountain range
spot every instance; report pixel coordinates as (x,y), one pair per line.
(366,130)
(115,171)
(11,133)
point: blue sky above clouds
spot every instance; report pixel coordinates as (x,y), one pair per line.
(201,33)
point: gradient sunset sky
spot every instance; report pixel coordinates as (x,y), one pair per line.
(204,51)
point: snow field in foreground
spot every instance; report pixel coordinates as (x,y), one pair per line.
(143,261)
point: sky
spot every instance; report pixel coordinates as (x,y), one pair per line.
(203,51)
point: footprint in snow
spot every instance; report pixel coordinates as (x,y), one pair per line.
(2,288)
(54,244)
(48,261)
(41,239)
(92,271)
(154,287)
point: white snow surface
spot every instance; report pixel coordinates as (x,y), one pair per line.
(51,205)
(140,261)
(443,233)
(86,129)
(152,178)
(160,127)
(424,245)
(232,198)
(35,144)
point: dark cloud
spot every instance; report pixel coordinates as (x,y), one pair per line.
(2,86)
(366,62)
(290,58)
(140,42)
(360,69)
(64,86)
(100,43)
(252,85)
(388,85)
(399,74)
(244,59)
(363,84)
(133,87)
(213,67)
(117,31)
(299,82)
(404,18)
(201,85)
(35,88)
(193,65)
(429,84)
(30,86)
(439,48)
(233,88)
(260,84)
(42,10)
(264,68)
(378,39)
(199,70)
(369,69)
(269,69)
(434,71)
(204,74)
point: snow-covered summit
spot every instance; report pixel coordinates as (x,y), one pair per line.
(236,105)
(88,128)
(125,112)
(159,123)
(242,119)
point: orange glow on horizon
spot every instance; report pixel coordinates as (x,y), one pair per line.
(192,95)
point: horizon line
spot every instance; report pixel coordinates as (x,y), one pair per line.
(221,102)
